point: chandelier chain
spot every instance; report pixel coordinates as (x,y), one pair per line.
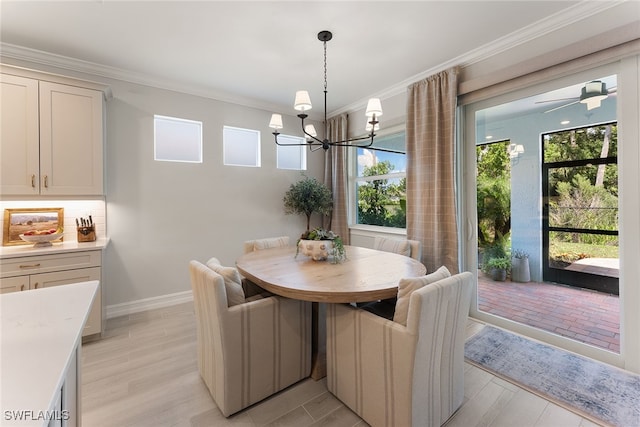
(325,65)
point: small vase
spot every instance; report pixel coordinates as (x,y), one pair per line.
(318,250)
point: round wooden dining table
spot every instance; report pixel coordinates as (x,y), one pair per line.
(366,274)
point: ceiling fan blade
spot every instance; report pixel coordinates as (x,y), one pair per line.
(556,100)
(562,106)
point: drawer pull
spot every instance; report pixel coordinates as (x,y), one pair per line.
(35,286)
(30,265)
(33,181)
(21,288)
(46,181)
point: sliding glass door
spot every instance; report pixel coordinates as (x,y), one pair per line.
(541,188)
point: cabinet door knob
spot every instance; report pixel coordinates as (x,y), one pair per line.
(33,181)
(46,181)
(35,286)
(21,287)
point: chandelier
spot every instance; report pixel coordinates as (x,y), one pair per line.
(302,103)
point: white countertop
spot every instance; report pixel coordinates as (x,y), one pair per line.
(55,248)
(40,331)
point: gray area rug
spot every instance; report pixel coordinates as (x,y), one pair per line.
(594,390)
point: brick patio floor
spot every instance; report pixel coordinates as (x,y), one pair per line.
(583,315)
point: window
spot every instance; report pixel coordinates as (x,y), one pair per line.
(177,140)
(379,182)
(292,157)
(241,147)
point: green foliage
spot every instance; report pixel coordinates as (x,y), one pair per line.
(493,194)
(583,197)
(581,144)
(580,204)
(500,263)
(519,253)
(308,196)
(381,202)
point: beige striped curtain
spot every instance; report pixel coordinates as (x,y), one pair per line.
(431,199)
(335,177)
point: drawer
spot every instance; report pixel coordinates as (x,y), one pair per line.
(10,267)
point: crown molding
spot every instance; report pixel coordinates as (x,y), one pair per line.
(573,14)
(34,57)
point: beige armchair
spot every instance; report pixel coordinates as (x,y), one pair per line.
(410,248)
(248,351)
(392,375)
(266,243)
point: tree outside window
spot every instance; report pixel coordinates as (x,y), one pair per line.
(380,184)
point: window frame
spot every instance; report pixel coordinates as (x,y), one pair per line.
(353,180)
(225,148)
(302,151)
(158,118)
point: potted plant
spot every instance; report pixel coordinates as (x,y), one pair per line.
(520,266)
(320,244)
(497,268)
(308,196)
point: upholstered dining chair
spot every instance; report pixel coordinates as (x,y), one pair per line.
(247,350)
(395,375)
(410,248)
(406,247)
(266,243)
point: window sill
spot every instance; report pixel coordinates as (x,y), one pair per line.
(375,230)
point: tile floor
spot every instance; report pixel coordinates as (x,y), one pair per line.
(143,372)
(584,315)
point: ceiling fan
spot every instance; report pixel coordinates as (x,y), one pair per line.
(592,94)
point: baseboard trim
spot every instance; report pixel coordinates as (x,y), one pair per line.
(131,307)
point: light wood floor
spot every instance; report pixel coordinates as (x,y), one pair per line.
(144,373)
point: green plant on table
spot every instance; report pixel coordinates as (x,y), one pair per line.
(308,196)
(338,251)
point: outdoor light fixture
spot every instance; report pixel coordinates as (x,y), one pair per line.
(515,150)
(593,93)
(302,103)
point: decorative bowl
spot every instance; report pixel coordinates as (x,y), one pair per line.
(318,250)
(41,240)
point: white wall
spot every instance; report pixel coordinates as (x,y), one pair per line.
(160,215)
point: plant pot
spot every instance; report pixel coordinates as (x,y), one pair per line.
(520,270)
(498,274)
(318,250)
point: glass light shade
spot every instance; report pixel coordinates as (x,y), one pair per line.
(374,107)
(593,93)
(310,130)
(302,102)
(276,121)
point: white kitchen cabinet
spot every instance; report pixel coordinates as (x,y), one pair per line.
(51,138)
(30,273)
(19,135)
(14,284)
(57,278)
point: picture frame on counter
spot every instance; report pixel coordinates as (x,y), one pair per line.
(19,220)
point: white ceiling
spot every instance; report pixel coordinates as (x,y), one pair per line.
(264,51)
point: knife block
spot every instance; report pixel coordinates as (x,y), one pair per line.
(87,234)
